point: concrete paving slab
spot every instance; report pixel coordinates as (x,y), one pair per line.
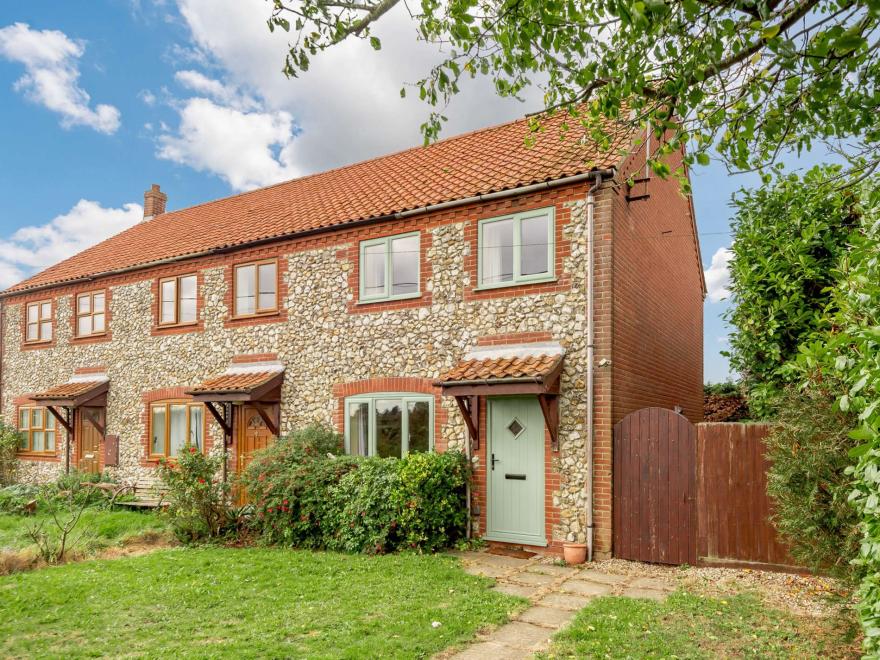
(550,617)
(521,635)
(538,579)
(499,560)
(493,650)
(586,588)
(552,569)
(652,583)
(565,601)
(602,578)
(650,594)
(521,590)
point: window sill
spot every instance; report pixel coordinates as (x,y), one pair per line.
(176,326)
(43,455)
(507,285)
(39,342)
(374,301)
(259,315)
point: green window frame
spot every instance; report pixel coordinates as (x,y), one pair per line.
(371,424)
(383,251)
(513,260)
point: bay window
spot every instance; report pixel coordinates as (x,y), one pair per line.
(173,425)
(516,249)
(389,424)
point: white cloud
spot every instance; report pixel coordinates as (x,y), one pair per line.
(247,149)
(34,248)
(51,78)
(718,275)
(147,97)
(220,92)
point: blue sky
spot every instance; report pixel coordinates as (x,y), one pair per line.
(97,104)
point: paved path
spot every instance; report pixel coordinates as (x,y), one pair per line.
(556,593)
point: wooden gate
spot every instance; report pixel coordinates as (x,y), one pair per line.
(655,515)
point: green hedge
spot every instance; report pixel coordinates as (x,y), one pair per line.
(306,494)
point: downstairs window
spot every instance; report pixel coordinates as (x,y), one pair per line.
(37,427)
(173,424)
(389,424)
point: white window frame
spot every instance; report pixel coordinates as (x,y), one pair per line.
(406,398)
(518,278)
(387,295)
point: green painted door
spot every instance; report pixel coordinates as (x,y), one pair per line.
(516,471)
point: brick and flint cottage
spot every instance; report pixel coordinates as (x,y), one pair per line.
(509,298)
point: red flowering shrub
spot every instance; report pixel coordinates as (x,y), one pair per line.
(196,495)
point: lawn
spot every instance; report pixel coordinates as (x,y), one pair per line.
(223,602)
(693,626)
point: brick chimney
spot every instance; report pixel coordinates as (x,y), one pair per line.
(154,202)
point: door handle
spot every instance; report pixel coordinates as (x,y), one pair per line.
(494,460)
(515,477)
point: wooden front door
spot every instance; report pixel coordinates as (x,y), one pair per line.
(253,435)
(89,439)
(516,471)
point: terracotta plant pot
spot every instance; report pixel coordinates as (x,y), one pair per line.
(574,553)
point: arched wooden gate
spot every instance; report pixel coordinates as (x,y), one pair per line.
(655,514)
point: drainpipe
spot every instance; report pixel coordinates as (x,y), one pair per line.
(591,203)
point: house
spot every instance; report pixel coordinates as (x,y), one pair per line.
(448,296)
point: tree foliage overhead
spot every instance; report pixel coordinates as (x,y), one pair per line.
(750,77)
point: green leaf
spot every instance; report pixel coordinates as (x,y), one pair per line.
(375,43)
(703,158)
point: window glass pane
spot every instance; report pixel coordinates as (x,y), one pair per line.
(496,252)
(98,323)
(33,313)
(46,330)
(50,440)
(188,299)
(245,301)
(358,428)
(84,304)
(38,441)
(24,416)
(33,331)
(157,438)
(36,418)
(46,310)
(419,423)
(98,302)
(84,325)
(169,293)
(268,286)
(178,428)
(196,426)
(535,235)
(23,444)
(389,427)
(374,270)
(404,265)
(50,420)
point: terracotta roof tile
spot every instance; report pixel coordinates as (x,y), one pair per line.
(236,382)
(475,163)
(534,366)
(68,390)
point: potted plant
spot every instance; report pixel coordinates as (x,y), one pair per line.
(574,553)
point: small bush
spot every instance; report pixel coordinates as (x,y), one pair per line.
(10,441)
(14,499)
(196,497)
(809,450)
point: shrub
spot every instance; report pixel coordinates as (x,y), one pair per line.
(14,499)
(196,497)
(809,450)
(10,441)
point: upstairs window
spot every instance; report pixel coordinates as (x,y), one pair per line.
(173,425)
(516,249)
(178,297)
(91,314)
(389,424)
(39,321)
(37,427)
(389,268)
(256,288)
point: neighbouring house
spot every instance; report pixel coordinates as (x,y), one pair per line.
(435,298)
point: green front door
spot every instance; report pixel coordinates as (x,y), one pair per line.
(516,471)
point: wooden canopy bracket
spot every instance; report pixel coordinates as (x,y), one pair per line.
(225,424)
(91,415)
(470,410)
(550,408)
(62,419)
(271,424)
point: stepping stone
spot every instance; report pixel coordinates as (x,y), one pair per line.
(585,588)
(602,578)
(538,579)
(500,560)
(565,601)
(652,583)
(486,571)
(521,635)
(650,594)
(550,617)
(521,590)
(552,569)
(495,650)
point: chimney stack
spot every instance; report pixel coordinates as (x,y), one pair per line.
(154,202)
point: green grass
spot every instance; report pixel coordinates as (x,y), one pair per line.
(103,527)
(221,602)
(692,626)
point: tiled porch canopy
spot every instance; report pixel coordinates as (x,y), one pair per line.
(87,391)
(499,370)
(256,383)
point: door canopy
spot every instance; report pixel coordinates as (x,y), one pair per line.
(507,370)
(83,390)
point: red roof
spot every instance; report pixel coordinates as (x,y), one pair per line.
(476,163)
(68,390)
(242,382)
(535,367)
